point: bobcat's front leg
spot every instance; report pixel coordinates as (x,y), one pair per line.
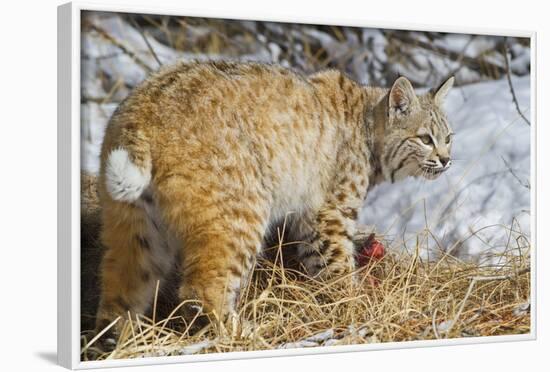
(330,251)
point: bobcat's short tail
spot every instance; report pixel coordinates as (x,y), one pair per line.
(125,180)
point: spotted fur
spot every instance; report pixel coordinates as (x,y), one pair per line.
(203,160)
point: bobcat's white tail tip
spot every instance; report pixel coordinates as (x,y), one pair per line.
(124,180)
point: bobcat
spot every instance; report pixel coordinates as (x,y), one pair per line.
(203,160)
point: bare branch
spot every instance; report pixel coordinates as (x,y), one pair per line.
(479,64)
(525,184)
(99,100)
(144,37)
(509,77)
(477,279)
(120,46)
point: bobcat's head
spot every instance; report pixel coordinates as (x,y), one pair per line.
(418,138)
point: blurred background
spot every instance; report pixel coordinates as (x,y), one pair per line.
(475,211)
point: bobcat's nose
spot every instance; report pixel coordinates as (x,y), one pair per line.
(444,160)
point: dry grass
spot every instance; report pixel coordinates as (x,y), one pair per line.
(399,298)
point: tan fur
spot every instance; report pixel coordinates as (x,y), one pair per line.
(230,151)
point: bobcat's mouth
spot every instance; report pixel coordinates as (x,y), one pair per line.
(433,172)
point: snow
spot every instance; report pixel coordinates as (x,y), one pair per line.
(94,118)
(330,337)
(196,348)
(311,341)
(522,309)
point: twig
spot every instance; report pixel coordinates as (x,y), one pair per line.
(434,326)
(121,46)
(98,336)
(144,37)
(99,100)
(132,329)
(525,184)
(509,78)
(155,314)
(460,64)
(501,277)
(476,279)
(479,64)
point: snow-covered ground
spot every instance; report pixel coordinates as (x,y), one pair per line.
(469,210)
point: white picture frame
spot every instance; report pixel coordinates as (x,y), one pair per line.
(69,192)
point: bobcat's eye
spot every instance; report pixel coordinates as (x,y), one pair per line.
(448,139)
(426,139)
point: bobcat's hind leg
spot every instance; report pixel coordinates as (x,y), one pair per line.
(132,264)
(220,242)
(214,268)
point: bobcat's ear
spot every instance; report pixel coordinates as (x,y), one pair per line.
(402,97)
(441,92)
